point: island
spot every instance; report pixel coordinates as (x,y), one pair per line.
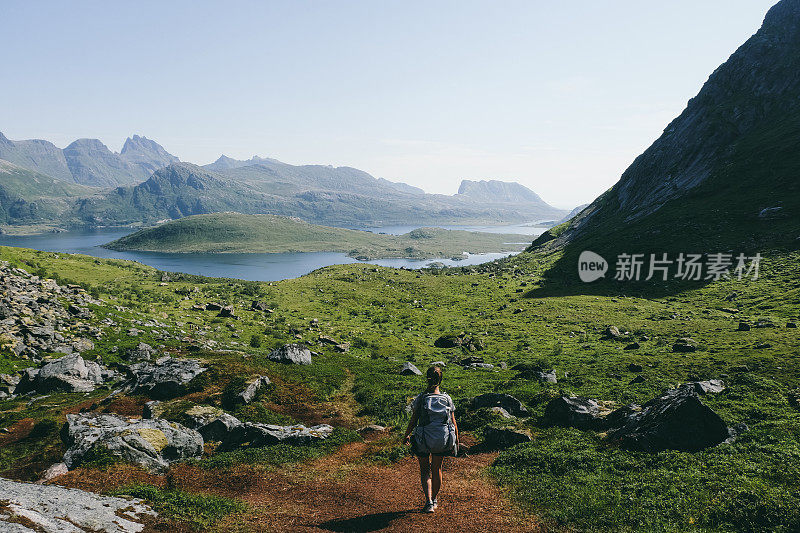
(240,233)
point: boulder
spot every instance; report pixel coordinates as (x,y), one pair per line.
(710,386)
(142,352)
(744,326)
(227,312)
(295,354)
(153,444)
(462,340)
(791,325)
(71,373)
(676,420)
(493,399)
(572,411)
(213,306)
(612,332)
(252,388)
(481,366)
(502,438)
(685,345)
(166,378)
(633,367)
(254,435)
(218,428)
(36,508)
(502,413)
(8,383)
(53,471)
(260,306)
(409,369)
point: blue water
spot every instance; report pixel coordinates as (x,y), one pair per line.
(256,267)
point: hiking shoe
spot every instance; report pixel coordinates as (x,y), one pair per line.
(436,503)
(429,507)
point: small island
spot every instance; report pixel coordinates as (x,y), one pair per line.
(239,233)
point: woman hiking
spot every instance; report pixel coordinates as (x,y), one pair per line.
(433,434)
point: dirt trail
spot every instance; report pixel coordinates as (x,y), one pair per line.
(343,493)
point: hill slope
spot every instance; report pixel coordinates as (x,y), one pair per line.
(723,175)
(146,154)
(499,191)
(37,155)
(29,197)
(235,232)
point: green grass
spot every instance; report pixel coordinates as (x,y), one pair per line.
(573,479)
(238,233)
(199,511)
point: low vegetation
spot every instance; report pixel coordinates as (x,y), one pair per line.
(237,233)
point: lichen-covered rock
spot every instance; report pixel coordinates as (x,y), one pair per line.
(676,420)
(572,411)
(71,373)
(142,352)
(164,379)
(254,435)
(151,443)
(295,354)
(29,508)
(510,404)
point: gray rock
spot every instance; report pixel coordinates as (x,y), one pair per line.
(572,411)
(166,378)
(52,509)
(481,366)
(493,399)
(247,395)
(371,429)
(676,420)
(153,444)
(295,354)
(502,413)
(710,386)
(58,469)
(502,438)
(219,428)
(685,345)
(71,373)
(409,369)
(142,352)
(255,435)
(612,332)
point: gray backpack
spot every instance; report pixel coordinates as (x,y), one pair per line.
(435,432)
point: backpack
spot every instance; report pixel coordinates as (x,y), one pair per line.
(435,431)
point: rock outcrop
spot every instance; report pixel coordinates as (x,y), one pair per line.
(254,435)
(295,354)
(30,508)
(71,373)
(164,379)
(151,443)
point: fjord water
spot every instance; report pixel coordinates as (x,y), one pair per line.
(254,267)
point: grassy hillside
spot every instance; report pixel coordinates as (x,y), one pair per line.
(566,479)
(235,232)
(28,197)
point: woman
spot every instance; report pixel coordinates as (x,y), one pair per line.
(435,435)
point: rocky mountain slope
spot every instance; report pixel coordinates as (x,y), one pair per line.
(89,161)
(146,154)
(723,173)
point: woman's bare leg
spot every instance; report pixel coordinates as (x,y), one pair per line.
(425,476)
(436,475)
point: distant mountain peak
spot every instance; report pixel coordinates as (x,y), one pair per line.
(498,191)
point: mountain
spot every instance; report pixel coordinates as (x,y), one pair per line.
(226,163)
(573,213)
(92,163)
(28,197)
(37,155)
(401,187)
(146,154)
(498,192)
(238,233)
(724,174)
(89,161)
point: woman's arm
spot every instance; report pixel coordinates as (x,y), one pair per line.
(411,424)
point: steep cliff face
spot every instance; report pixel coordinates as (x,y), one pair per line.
(92,163)
(740,133)
(37,155)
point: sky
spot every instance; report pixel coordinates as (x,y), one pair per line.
(558,96)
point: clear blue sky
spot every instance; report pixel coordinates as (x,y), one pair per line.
(560,96)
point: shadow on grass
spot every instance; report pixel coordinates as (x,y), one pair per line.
(364,524)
